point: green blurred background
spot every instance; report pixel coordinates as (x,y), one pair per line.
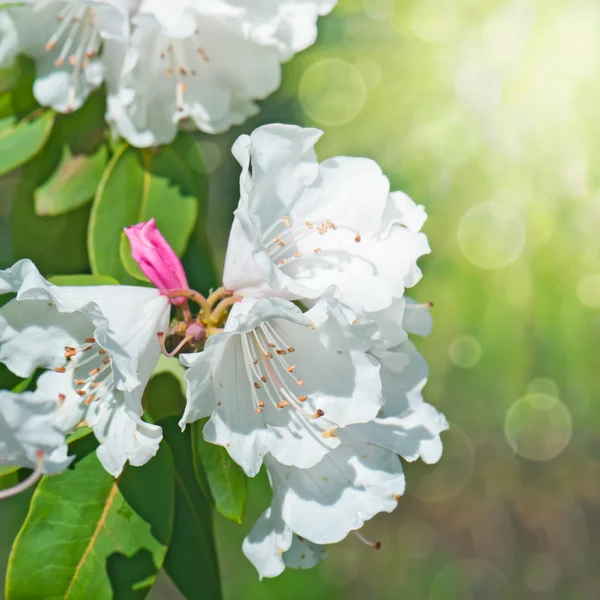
(485,111)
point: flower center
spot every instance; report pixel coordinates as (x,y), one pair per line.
(282,248)
(89,365)
(179,56)
(269,372)
(78,41)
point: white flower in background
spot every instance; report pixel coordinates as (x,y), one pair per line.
(363,475)
(280,381)
(99,344)
(204,62)
(302,226)
(67,39)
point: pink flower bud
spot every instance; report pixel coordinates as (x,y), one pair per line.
(156,258)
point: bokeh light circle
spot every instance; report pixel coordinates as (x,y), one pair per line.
(451,475)
(470,579)
(491,235)
(416,539)
(332,92)
(538,427)
(464,351)
(588,290)
(543,385)
(541,572)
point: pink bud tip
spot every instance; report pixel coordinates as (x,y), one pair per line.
(156,258)
(197,331)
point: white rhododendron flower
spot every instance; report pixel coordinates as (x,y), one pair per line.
(362,476)
(302,226)
(323,504)
(205,62)
(281,381)
(68,40)
(99,344)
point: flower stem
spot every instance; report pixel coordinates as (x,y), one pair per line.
(196,297)
(217,295)
(217,315)
(187,313)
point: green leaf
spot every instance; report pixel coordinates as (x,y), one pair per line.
(4,471)
(73,184)
(22,139)
(128,261)
(163,397)
(174,368)
(82,280)
(56,244)
(136,186)
(88,535)
(79,433)
(191,561)
(198,259)
(227,481)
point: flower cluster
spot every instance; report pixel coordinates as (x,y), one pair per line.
(198,63)
(301,361)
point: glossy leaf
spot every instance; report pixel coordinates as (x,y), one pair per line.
(88,535)
(191,561)
(22,139)
(82,280)
(226,480)
(136,186)
(73,184)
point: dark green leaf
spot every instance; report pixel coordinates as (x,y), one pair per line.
(88,535)
(191,561)
(227,482)
(55,244)
(73,184)
(22,139)
(16,97)
(82,280)
(198,258)
(136,186)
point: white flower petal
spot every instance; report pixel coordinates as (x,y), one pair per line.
(121,438)
(348,487)
(27,426)
(267,542)
(303,554)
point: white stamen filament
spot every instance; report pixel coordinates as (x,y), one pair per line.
(278,247)
(26,483)
(75,22)
(274,363)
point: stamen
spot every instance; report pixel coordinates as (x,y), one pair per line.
(424,305)
(30,481)
(364,540)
